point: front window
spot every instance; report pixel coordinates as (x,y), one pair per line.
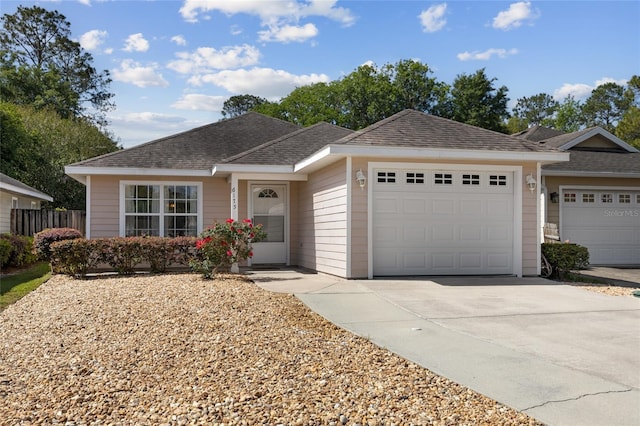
(165,210)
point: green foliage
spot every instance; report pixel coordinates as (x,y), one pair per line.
(565,257)
(568,116)
(536,110)
(224,244)
(241,104)
(628,128)
(16,250)
(43,240)
(38,144)
(75,257)
(125,255)
(43,67)
(474,100)
(606,106)
(163,252)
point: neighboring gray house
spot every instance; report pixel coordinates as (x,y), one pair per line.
(413,194)
(16,195)
(594,198)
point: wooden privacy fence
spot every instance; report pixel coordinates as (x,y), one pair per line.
(28,222)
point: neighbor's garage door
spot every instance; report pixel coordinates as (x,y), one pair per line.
(441,222)
(607,222)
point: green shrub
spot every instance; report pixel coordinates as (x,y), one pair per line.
(75,257)
(224,244)
(18,252)
(122,253)
(5,252)
(163,252)
(565,257)
(43,240)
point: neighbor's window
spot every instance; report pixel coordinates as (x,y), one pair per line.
(606,198)
(160,210)
(624,198)
(569,197)
(588,198)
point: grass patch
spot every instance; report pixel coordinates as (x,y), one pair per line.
(13,287)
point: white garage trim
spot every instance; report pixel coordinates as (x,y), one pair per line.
(609,229)
(517,202)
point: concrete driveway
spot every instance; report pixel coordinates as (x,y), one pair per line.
(563,355)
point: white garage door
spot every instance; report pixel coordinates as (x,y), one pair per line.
(439,222)
(607,222)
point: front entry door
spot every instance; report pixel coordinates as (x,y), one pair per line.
(269,208)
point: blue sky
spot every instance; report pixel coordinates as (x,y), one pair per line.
(174,63)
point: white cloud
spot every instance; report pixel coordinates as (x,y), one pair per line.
(269,11)
(486,55)
(179,40)
(581,91)
(200,102)
(432,19)
(288,33)
(138,75)
(136,43)
(93,39)
(207,59)
(280,17)
(264,82)
(515,16)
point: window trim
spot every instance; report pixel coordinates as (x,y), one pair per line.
(162,214)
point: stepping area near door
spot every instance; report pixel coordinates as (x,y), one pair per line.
(561,354)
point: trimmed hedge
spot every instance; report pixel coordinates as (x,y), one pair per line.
(565,257)
(16,250)
(125,255)
(42,240)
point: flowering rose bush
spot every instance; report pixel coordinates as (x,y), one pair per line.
(224,244)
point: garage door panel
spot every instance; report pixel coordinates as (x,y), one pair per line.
(442,230)
(605,221)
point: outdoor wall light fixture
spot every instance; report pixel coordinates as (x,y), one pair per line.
(361,178)
(555,197)
(531,182)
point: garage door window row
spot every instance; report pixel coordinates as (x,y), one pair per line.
(443,179)
(604,198)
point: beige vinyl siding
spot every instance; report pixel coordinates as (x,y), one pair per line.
(322,226)
(359,223)
(530,225)
(105,201)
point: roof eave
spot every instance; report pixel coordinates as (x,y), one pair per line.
(27,192)
(338,151)
(80,173)
(590,174)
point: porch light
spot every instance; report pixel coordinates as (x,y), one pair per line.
(531,182)
(361,178)
(555,197)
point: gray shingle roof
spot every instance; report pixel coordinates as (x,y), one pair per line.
(200,148)
(291,148)
(414,129)
(22,187)
(560,140)
(598,162)
(538,133)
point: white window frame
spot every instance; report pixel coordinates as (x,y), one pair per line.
(14,202)
(162,184)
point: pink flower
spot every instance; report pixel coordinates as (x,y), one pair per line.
(230,220)
(251,235)
(229,253)
(246,220)
(250,254)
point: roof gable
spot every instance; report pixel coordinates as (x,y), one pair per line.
(538,133)
(291,148)
(199,148)
(594,138)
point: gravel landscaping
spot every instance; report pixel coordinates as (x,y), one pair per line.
(177,349)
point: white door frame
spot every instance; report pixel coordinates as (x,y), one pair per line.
(287,213)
